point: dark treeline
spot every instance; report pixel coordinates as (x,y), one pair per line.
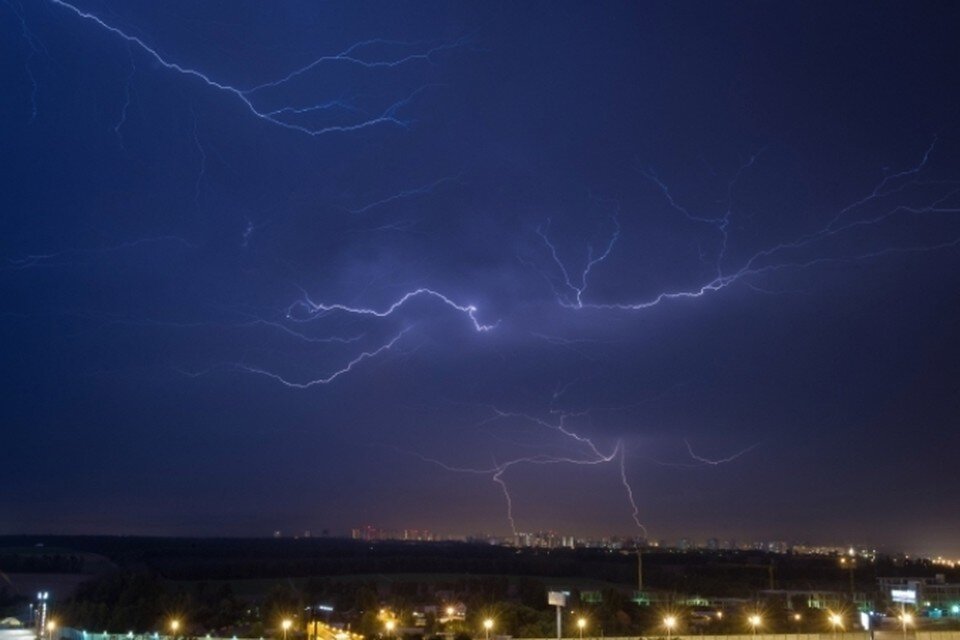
(33,562)
(142,602)
(148,581)
(735,573)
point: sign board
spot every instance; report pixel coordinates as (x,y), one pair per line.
(904,596)
(865,620)
(557,598)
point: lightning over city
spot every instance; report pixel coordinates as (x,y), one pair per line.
(638,272)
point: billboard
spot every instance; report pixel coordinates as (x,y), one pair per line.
(904,596)
(557,598)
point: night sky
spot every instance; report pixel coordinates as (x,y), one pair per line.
(314,265)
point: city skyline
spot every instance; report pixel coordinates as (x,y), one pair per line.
(670,270)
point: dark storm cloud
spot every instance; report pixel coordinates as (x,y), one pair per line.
(180,249)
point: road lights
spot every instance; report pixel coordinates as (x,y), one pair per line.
(906,619)
(669,623)
(836,620)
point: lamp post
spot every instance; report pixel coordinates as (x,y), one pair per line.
(487,625)
(285,625)
(669,623)
(906,618)
(837,621)
(754,622)
(174,627)
(851,565)
(581,623)
(390,625)
(51,627)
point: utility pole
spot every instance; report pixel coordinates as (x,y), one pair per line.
(639,569)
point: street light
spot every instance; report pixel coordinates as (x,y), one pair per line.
(390,625)
(669,623)
(581,623)
(906,618)
(51,626)
(837,621)
(174,626)
(755,621)
(285,625)
(487,625)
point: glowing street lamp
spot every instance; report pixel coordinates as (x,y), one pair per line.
(390,625)
(174,627)
(837,621)
(487,625)
(670,622)
(51,627)
(754,621)
(581,623)
(285,625)
(906,619)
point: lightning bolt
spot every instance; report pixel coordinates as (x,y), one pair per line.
(592,456)
(319,309)
(722,222)
(36,47)
(575,287)
(718,461)
(325,379)
(122,120)
(69,257)
(409,193)
(773,259)
(388,116)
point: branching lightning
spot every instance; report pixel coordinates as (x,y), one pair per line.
(326,378)
(36,47)
(307,309)
(569,279)
(590,455)
(387,116)
(573,288)
(775,257)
